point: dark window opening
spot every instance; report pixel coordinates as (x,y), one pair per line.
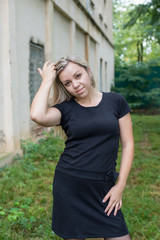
(36,61)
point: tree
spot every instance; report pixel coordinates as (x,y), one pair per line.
(140,85)
(126,41)
(137,54)
(149,15)
(131,43)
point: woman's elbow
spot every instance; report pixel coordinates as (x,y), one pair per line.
(33,117)
(128,145)
(39,119)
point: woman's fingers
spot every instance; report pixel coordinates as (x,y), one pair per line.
(48,72)
(120,204)
(45,64)
(115,200)
(40,71)
(48,64)
(116,209)
(106,197)
(111,206)
(52,65)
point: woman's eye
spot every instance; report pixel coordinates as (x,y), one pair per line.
(67,84)
(78,76)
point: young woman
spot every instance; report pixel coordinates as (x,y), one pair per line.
(87,199)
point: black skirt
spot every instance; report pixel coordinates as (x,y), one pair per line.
(78,210)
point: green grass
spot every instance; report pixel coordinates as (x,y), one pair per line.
(26,187)
(142,196)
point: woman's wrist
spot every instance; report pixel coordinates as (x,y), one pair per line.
(121,183)
(46,83)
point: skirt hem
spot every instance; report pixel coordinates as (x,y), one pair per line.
(89,236)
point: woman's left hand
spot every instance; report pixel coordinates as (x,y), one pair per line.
(115,199)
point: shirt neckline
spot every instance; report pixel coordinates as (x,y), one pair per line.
(91,106)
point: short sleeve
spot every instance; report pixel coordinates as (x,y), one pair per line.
(122,107)
(63,110)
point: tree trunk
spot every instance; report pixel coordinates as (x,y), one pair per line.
(140,51)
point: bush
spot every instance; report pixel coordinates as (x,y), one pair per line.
(46,149)
(140,85)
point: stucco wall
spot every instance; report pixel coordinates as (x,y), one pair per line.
(30,24)
(107,54)
(2,136)
(1,72)
(61,39)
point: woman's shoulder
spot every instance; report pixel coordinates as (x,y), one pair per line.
(115,96)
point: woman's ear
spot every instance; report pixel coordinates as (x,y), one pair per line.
(90,72)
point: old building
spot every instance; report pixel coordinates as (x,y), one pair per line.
(32,32)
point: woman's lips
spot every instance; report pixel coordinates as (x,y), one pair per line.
(79,91)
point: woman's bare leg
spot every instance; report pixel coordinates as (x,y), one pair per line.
(126,237)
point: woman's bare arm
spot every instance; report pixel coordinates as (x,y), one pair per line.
(40,112)
(126,136)
(115,193)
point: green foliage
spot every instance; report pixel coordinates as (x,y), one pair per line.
(47,148)
(153,96)
(149,15)
(131,43)
(140,85)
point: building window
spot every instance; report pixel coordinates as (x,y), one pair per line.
(36,61)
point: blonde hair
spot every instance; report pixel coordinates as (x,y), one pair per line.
(60,94)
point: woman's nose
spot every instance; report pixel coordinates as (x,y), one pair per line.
(75,83)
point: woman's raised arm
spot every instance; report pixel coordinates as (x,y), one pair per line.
(40,112)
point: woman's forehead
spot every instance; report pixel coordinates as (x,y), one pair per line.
(70,70)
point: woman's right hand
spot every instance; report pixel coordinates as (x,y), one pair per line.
(48,72)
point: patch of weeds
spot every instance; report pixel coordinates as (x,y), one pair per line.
(46,149)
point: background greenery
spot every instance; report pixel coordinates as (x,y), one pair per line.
(136,32)
(26,186)
(140,85)
(137,46)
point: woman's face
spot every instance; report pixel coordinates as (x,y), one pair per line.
(76,80)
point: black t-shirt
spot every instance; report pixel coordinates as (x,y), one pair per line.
(92,133)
